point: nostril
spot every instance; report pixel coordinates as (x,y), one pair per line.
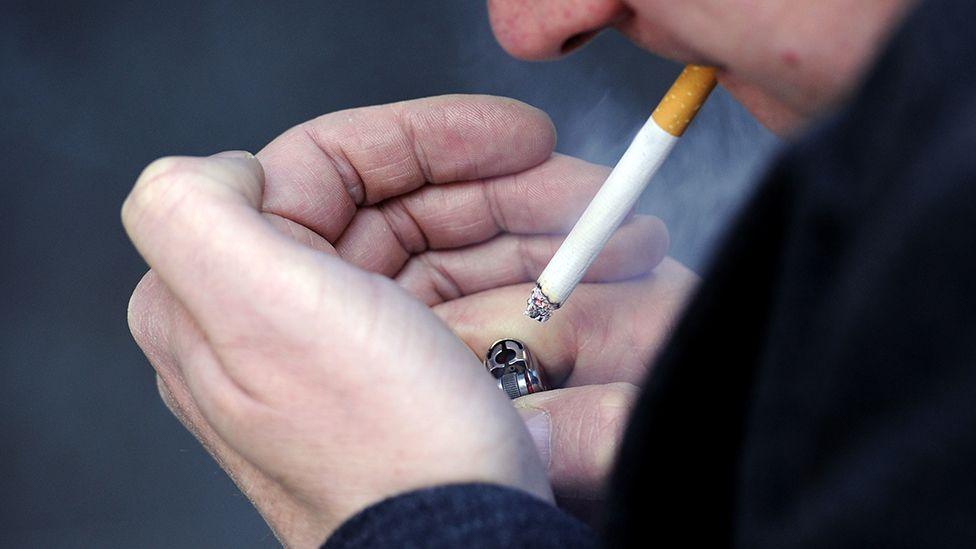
(576,41)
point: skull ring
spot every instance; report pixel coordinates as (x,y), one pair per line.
(511,364)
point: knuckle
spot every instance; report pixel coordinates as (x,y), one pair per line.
(231,408)
(438,276)
(530,255)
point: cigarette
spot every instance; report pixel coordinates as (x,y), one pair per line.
(620,191)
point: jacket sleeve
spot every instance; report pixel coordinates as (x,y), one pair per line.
(472,516)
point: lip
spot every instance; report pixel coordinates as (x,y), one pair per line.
(724,77)
(667,48)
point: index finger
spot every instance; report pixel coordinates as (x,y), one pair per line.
(318,172)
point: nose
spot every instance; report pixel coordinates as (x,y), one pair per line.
(546,29)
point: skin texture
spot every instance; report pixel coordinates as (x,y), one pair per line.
(787,62)
(296,299)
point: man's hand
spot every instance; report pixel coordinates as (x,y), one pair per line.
(308,320)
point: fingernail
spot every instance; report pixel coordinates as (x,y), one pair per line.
(244,159)
(233,154)
(537,422)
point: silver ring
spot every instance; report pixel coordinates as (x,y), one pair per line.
(511,364)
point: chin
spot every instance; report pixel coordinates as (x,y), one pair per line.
(772,113)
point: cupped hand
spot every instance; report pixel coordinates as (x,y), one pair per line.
(307,311)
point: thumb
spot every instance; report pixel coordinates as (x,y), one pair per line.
(577,432)
(198,224)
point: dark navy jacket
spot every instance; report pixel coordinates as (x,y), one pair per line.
(821,389)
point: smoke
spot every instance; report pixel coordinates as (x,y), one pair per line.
(91,92)
(712,170)
(600,96)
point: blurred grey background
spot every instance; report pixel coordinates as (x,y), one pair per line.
(92,91)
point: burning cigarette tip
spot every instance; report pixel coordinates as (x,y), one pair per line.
(621,191)
(538,306)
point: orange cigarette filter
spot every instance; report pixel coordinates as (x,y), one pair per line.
(620,192)
(680,105)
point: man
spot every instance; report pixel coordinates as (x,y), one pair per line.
(312,312)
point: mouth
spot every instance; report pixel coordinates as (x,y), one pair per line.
(659,42)
(725,78)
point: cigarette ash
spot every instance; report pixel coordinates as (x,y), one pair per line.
(538,307)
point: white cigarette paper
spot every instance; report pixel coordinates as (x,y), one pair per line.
(620,192)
